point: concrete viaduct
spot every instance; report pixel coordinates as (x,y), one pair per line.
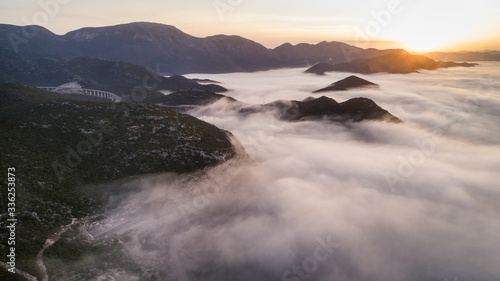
(80,91)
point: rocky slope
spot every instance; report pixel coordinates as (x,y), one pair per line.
(62,147)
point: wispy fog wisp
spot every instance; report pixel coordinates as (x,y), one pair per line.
(324,201)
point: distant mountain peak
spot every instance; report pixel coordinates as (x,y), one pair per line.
(355,109)
(325,108)
(347,83)
(137,30)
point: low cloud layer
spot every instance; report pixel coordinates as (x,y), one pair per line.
(324,201)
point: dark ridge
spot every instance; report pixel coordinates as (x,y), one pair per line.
(392,63)
(353,110)
(347,83)
(320,68)
(190,97)
(206,81)
(178,83)
(118,77)
(356,110)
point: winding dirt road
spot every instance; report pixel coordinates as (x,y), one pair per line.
(19,272)
(49,242)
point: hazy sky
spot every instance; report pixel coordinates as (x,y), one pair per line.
(419,25)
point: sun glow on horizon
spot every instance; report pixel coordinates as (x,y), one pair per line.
(423,45)
(435,26)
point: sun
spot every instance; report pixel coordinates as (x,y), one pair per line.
(420,45)
(423,42)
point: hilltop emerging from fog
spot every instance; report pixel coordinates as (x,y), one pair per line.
(394,63)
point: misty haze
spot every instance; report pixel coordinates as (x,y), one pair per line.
(394,200)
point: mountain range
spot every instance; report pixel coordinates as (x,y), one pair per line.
(168,50)
(403,63)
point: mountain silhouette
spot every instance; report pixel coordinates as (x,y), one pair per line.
(393,63)
(353,110)
(347,83)
(168,50)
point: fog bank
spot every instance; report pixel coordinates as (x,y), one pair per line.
(318,200)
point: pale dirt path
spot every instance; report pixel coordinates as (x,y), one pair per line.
(19,272)
(49,242)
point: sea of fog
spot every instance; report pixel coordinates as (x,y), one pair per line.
(317,200)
